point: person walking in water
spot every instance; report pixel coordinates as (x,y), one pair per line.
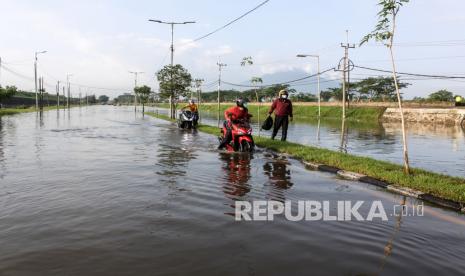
(282,108)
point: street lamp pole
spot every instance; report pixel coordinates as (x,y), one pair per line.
(69,89)
(172,111)
(319,91)
(135,85)
(35,76)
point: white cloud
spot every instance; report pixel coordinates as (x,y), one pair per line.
(219,51)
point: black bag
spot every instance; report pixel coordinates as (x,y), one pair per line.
(268,123)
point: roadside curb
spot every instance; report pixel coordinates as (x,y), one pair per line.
(353,176)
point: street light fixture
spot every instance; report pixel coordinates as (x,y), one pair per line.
(35,75)
(172,111)
(319,91)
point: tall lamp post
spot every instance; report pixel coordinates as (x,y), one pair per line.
(172,111)
(136,73)
(319,91)
(69,89)
(35,76)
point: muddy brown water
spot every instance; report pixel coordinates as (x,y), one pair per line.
(100,191)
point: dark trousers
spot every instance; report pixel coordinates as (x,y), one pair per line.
(195,118)
(227,136)
(280,121)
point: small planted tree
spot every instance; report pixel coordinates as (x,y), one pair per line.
(255,81)
(384,32)
(174,82)
(143,93)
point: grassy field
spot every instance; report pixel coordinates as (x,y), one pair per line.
(304,112)
(440,185)
(13,111)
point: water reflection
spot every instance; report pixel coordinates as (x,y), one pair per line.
(344,137)
(172,162)
(237,172)
(279,176)
(2,153)
(389,246)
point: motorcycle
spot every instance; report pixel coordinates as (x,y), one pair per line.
(242,140)
(186,119)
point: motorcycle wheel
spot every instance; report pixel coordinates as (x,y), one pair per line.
(245,146)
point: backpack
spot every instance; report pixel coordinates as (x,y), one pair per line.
(268,123)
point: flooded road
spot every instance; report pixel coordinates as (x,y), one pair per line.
(432,147)
(100,191)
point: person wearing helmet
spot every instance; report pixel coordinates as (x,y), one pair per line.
(282,108)
(194,109)
(233,114)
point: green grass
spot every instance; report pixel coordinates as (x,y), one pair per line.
(440,185)
(160,116)
(13,111)
(305,112)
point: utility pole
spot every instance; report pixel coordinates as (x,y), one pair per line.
(136,73)
(220,65)
(64,97)
(345,69)
(69,89)
(35,76)
(58,94)
(172,110)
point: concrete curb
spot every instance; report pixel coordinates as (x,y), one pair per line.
(353,176)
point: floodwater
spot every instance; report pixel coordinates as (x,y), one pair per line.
(435,148)
(101,191)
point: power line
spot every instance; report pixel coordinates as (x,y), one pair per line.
(411,74)
(228,24)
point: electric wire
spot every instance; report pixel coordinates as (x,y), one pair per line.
(228,24)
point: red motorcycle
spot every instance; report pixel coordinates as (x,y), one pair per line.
(242,140)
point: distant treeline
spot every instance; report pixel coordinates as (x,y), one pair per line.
(27,99)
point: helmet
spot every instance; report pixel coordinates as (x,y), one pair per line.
(191,101)
(283,92)
(241,102)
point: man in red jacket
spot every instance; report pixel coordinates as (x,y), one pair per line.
(282,108)
(232,114)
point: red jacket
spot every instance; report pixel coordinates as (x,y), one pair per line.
(281,107)
(237,113)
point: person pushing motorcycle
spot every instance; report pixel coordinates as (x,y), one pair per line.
(233,114)
(194,109)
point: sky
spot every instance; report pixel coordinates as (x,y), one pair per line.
(99,41)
